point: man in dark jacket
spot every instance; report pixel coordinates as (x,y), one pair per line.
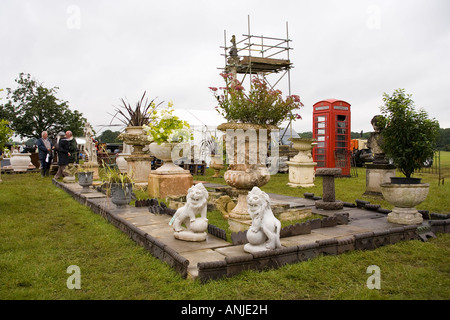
(45,153)
(73,147)
(63,157)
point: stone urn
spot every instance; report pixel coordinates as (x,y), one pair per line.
(136,137)
(121,194)
(217,165)
(405,197)
(20,161)
(85,179)
(247,168)
(139,162)
(301,167)
(164,152)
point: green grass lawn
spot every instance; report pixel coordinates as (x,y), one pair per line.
(43,231)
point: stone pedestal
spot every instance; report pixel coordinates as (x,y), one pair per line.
(301,174)
(328,201)
(139,167)
(377,174)
(163,185)
(301,167)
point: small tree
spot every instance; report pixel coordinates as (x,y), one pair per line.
(409,137)
(5,134)
(33,108)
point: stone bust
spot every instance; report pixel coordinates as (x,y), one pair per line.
(375,141)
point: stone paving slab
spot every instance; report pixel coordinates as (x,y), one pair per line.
(202,255)
(302,239)
(144,219)
(164,233)
(374,224)
(233,251)
(340,231)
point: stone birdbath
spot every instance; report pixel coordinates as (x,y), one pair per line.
(329,201)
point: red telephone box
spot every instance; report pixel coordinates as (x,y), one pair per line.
(331,129)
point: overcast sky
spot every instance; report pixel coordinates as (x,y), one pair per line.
(98,52)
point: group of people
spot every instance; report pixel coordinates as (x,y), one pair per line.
(65,146)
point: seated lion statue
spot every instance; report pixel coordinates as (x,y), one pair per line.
(264,232)
(196,204)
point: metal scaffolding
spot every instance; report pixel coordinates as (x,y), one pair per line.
(259,55)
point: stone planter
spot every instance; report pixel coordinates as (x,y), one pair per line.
(163,152)
(247,169)
(301,167)
(20,161)
(85,179)
(136,137)
(121,194)
(405,197)
(217,165)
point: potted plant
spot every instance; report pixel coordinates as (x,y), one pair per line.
(167,131)
(408,138)
(119,186)
(262,108)
(134,120)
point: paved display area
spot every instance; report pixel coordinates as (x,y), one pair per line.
(217,255)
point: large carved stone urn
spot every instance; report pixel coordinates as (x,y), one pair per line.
(405,197)
(139,162)
(246,147)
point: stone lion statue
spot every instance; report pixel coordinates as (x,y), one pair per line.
(196,204)
(264,232)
